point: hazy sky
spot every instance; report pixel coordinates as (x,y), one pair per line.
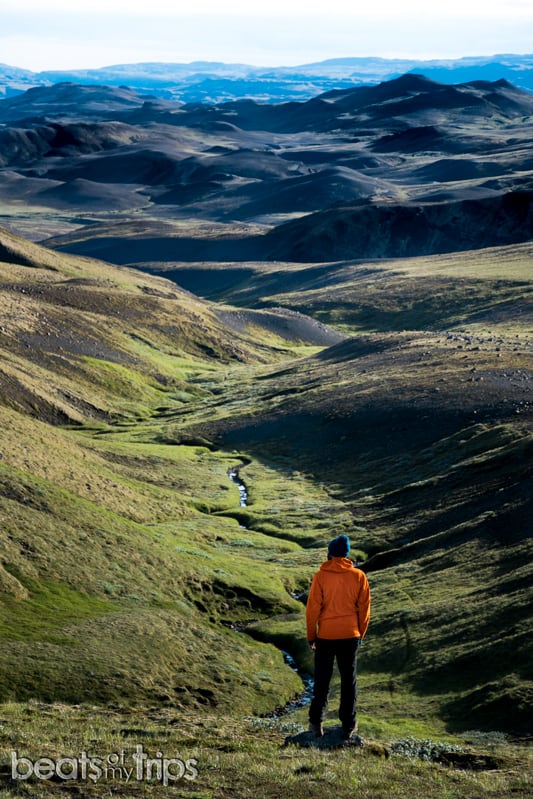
(62,34)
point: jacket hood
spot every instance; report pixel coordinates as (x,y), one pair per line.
(337,565)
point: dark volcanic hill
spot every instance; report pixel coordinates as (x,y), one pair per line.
(396,231)
(409,166)
(70,100)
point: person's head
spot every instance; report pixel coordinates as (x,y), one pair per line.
(339,547)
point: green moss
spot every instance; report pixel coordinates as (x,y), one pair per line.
(130,563)
(287,632)
(50,607)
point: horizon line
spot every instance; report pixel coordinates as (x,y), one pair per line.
(331,60)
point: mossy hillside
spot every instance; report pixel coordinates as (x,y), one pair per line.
(89,524)
(275,489)
(396,415)
(138,654)
(481,288)
(145,483)
(245,757)
(156,624)
(438,619)
(146,518)
(169,583)
(355,439)
(422,495)
(82,339)
(433,485)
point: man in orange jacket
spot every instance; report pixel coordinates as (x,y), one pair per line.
(337,615)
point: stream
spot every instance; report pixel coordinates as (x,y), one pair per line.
(305,698)
(234,476)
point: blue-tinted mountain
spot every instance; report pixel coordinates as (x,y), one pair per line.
(215,82)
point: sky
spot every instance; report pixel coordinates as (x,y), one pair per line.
(81,34)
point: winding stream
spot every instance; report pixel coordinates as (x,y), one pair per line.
(234,476)
(308,681)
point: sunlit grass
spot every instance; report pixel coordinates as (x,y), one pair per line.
(242,758)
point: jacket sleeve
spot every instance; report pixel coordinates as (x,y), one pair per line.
(313,608)
(363,606)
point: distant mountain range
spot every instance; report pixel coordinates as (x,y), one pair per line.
(407,167)
(214,82)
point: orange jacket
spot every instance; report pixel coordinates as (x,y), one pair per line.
(338,605)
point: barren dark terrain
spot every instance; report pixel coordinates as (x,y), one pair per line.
(407,167)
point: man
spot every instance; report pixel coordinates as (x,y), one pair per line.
(337,614)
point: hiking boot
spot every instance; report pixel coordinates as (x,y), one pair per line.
(347,732)
(316,729)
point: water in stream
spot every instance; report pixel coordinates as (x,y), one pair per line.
(234,476)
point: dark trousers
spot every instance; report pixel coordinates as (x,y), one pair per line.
(344,650)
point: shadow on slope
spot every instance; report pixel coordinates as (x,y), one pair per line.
(394,231)
(430,448)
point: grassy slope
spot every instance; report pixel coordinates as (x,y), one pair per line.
(437,292)
(425,437)
(432,481)
(113,570)
(124,566)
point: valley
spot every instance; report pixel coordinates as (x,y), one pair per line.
(332,296)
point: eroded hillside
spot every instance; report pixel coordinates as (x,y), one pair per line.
(410,166)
